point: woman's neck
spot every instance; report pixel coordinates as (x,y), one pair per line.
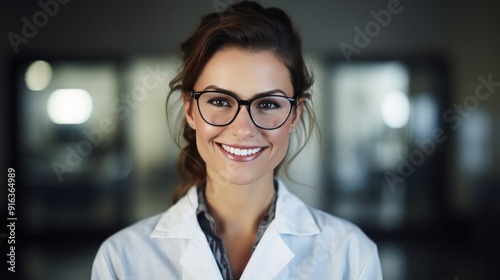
(238,209)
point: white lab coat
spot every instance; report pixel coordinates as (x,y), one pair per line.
(300,243)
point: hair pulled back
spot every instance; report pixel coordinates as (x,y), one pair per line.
(249,26)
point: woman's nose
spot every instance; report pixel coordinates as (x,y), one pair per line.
(243,125)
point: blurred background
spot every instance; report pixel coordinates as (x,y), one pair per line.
(406,95)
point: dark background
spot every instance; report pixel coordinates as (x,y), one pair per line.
(442,223)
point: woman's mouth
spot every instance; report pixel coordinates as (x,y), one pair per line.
(240,153)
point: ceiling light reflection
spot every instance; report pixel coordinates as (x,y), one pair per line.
(38,75)
(395,109)
(69,106)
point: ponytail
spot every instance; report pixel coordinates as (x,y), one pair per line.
(191,168)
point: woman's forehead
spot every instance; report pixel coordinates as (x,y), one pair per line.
(246,73)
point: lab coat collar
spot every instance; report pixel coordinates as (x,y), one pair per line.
(180,221)
(292,217)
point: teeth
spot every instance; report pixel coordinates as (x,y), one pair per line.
(240,152)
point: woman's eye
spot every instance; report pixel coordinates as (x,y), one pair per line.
(268,105)
(219,102)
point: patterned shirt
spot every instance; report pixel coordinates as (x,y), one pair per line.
(207,224)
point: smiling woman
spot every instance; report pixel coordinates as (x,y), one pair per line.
(249,74)
(245,89)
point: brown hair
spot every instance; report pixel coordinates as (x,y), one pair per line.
(249,26)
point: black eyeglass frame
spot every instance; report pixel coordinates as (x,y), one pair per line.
(196,95)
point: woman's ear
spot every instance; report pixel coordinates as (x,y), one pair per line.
(188,110)
(296,115)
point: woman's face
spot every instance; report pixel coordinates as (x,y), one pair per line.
(246,74)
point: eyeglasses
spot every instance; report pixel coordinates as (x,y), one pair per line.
(220,108)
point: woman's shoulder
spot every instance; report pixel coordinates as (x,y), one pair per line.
(326,223)
(324,236)
(340,239)
(331,221)
(174,222)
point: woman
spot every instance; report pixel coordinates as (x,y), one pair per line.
(244,87)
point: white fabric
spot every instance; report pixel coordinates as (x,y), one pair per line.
(300,243)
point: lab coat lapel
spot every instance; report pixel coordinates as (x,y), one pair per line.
(180,222)
(197,261)
(272,254)
(269,258)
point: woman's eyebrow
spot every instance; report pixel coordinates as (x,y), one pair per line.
(260,94)
(269,92)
